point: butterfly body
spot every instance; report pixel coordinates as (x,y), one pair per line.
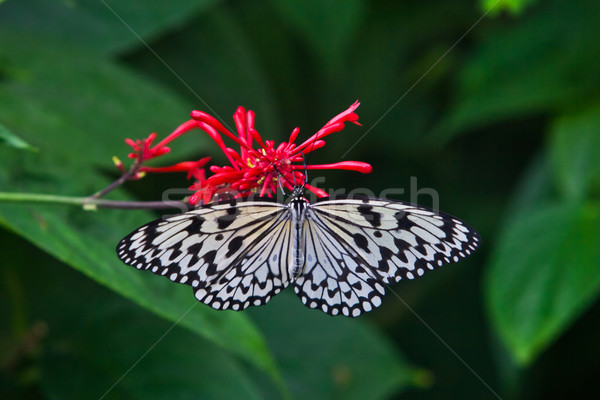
(338,254)
(298,207)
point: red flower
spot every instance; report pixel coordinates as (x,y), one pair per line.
(142,147)
(143,152)
(261,170)
(257,170)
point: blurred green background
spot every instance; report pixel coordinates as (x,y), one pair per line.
(494,104)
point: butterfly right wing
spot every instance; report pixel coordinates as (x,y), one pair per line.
(234,254)
(356,246)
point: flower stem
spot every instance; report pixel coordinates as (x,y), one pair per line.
(122,179)
(89,202)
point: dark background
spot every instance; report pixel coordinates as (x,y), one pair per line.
(495,105)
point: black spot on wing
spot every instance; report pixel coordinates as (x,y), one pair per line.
(373,217)
(361,241)
(225,220)
(234,245)
(233,210)
(209,259)
(386,255)
(403,222)
(196,224)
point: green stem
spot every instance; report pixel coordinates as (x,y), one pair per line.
(88,202)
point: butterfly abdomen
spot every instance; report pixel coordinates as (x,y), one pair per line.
(298,208)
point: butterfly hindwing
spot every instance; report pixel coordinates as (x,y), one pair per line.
(223,251)
(335,278)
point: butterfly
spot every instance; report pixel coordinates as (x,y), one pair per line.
(338,254)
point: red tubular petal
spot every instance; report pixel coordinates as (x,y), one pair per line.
(326,130)
(251,172)
(184,166)
(156,152)
(207,120)
(249,126)
(346,116)
(317,191)
(239,117)
(281,146)
(132,144)
(234,154)
(224,177)
(336,124)
(263,190)
(198,173)
(195,198)
(203,161)
(208,194)
(180,130)
(148,141)
(346,165)
(242,129)
(294,135)
(312,147)
(214,135)
(257,137)
(179,167)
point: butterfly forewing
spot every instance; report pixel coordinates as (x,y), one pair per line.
(398,240)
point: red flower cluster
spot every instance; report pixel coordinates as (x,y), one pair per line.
(253,170)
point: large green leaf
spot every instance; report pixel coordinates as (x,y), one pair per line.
(77,108)
(575,145)
(331,358)
(99,24)
(539,64)
(93,343)
(544,273)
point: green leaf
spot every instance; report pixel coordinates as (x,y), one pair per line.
(13,140)
(324,358)
(535,188)
(536,65)
(515,7)
(544,273)
(79,108)
(92,342)
(106,25)
(574,148)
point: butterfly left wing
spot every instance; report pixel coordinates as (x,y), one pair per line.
(233,254)
(375,242)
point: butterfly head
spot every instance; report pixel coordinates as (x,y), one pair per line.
(298,192)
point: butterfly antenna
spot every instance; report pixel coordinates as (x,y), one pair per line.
(305,170)
(280,181)
(295,182)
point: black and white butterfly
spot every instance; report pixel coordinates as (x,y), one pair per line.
(338,254)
